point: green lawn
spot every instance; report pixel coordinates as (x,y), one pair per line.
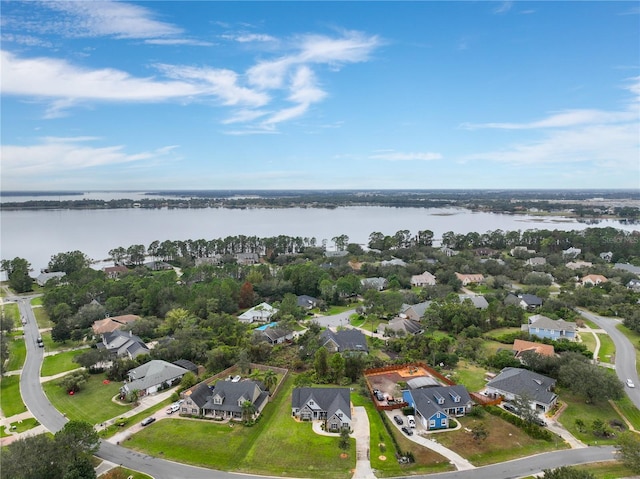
(92,404)
(607,348)
(504,442)
(10,399)
(126,422)
(382,449)
(60,362)
(36,301)
(259,449)
(124,472)
(50,345)
(12,312)
(589,341)
(17,353)
(578,409)
(494,333)
(470,376)
(340,309)
(634,337)
(629,410)
(25,424)
(42,318)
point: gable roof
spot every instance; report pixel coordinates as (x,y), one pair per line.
(540,321)
(346,339)
(478,301)
(263,311)
(110,324)
(232,393)
(522,382)
(122,343)
(520,346)
(273,334)
(44,277)
(305,301)
(185,363)
(415,309)
(153,373)
(327,399)
(200,394)
(426,399)
(531,299)
(409,326)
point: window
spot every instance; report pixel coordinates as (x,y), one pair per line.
(432,423)
(217,400)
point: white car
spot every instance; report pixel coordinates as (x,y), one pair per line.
(630,383)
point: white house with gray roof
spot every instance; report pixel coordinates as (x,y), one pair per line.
(152,377)
(512,382)
(556,329)
(332,405)
(261,314)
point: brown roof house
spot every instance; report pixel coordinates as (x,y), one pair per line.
(424,279)
(593,279)
(520,346)
(110,324)
(467,279)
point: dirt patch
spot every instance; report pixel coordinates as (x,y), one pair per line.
(344,455)
(382,458)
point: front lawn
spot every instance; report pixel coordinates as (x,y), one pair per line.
(276,446)
(11,312)
(37,301)
(577,409)
(42,318)
(10,399)
(504,442)
(24,425)
(59,363)
(607,348)
(17,353)
(92,404)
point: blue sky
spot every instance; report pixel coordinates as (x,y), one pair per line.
(275,95)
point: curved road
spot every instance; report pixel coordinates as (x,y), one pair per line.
(48,416)
(625,353)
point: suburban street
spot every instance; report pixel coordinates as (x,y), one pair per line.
(44,412)
(625,360)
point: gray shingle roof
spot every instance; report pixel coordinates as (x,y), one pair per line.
(232,393)
(426,399)
(153,373)
(346,339)
(540,321)
(522,382)
(328,399)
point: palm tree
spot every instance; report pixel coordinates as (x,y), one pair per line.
(248,409)
(270,379)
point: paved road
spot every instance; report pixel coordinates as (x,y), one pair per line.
(625,362)
(48,416)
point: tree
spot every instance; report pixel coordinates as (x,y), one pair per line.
(337,364)
(73,382)
(321,363)
(90,357)
(77,439)
(270,379)
(243,361)
(566,472)
(629,448)
(32,457)
(61,331)
(588,380)
(69,262)
(248,410)
(17,271)
(479,432)
(344,442)
(80,468)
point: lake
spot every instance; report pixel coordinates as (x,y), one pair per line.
(37,235)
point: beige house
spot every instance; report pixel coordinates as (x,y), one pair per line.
(467,279)
(424,279)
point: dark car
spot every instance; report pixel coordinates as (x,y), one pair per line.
(40,342)
(147,421)
(398,420)
(539,422)
(407,431)
(510,407)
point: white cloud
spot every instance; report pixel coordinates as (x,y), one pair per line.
(406,156)
(60,154)
(561,120)
(106,18)
(27,40)
(254,37)
(178,41)
(504,7)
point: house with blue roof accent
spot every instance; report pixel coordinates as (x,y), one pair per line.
(434,406)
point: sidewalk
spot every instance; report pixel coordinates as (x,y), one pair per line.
(5,422)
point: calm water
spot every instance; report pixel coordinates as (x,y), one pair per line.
(37,235)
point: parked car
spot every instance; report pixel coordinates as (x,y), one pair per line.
(411,421)
(630,383)
(510,407)
(398,420)
(147,421)
(407,431)
(175,407)
(40,342)
(539,421)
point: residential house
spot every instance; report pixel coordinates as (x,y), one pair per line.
(520,346)
(528,302)
(634,284)
(195,399)
(414,312)
(422,280)
(335,254)
(114,272)
(158,265)
(593,279)
(214,260)
(517,382)
(519,250)
(374,283)
(227,398)
(400,327)
(307,302)
(571,252)
(188,365)
(543,327)
(536,261)
(44,277)
(448,251)
(123,344)
(628,267)
(152,377)
(435,405)
(247,258)
(344,340)
(393,262)
(578,264)
(332,405)
(484,252)
(110,324)
(261,313)
(607,256)
(479,301)
(274,335)
(467,279)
